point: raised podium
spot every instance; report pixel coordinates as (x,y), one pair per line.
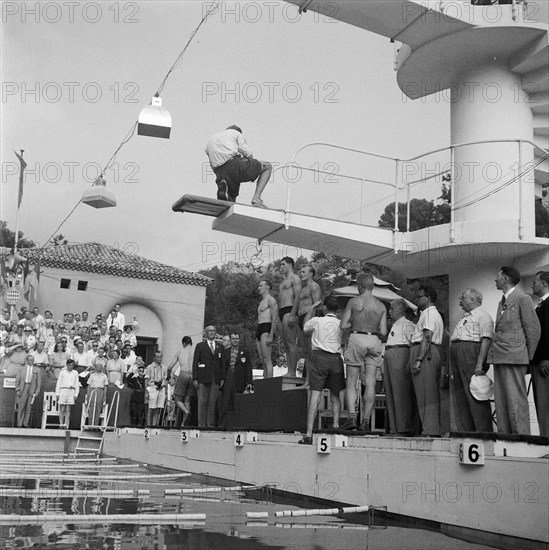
(277,404)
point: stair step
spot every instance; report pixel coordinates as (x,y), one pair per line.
(94,451)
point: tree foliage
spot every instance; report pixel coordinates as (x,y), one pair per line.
(423,213)
(7,237)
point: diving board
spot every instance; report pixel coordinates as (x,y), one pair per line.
(201,205)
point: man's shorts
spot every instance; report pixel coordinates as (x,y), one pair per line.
(236,171)
(326,371)
(363,350)
(157,398)
(184,387)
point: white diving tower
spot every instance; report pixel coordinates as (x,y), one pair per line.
(445,46)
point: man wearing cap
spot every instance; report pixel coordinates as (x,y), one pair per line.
(233,163)
(469,345)
(366,316)
(540,362)
(398,380)
(516,336)
(29,339)
(27,386)
(425,361)
(207,373)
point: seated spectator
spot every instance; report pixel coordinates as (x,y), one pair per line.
(85,322)
(280,368)
(128,357)
(58,359)
(41,359)
(129,336)
(80,357)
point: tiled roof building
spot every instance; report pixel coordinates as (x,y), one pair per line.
(107,260)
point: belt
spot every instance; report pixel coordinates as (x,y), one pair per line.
(362,332)
(398,346)
(464,342)
(419,344)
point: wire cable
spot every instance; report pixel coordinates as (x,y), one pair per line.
(131,132)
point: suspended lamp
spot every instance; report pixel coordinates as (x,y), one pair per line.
(154,120)
(98,195)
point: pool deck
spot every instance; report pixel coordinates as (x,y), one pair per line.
(417,477)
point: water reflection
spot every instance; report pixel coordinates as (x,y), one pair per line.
(27,497)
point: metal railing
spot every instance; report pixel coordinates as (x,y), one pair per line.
(398,185)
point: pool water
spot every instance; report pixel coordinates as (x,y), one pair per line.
(125,505)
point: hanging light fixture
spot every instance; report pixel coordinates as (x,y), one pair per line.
(154,120)
(98,195)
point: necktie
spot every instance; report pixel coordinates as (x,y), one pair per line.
(29,374)
(212,347)
(503,300)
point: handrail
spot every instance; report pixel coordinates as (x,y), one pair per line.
(398,174)
(115,401)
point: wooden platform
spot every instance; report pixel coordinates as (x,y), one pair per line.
(201,205)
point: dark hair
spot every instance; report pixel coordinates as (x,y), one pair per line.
(70,361)
(288,260)
(543,276)
(268,283)
(187,341)
(430,292)
(511,273)
(235,127)
(331,303)
(312,269)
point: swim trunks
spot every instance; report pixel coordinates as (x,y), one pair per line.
(283,310)
(263,328)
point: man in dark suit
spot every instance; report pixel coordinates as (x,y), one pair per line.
(237,373)
(207,376)
(28,381)
(540,363)
(516,336)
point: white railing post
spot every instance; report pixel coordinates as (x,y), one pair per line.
(520,182)
(397,180)
(452,195)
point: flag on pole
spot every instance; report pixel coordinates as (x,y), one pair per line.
(23,166)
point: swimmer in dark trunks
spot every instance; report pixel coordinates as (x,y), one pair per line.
(267,313)
(289,290)
(283,311)
(263,328)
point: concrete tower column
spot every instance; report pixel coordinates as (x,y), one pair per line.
(489,104)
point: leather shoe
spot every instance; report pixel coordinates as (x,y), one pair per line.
(350,424)
(305,440)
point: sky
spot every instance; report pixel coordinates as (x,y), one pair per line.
(76,75)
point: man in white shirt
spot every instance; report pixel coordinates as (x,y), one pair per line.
(398,381)
(326,365)
(425,362)
(116,318)
(80,357)
(280,368)
(233,163)
(469,345)
(40,356)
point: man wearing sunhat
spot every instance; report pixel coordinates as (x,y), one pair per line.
(469,346)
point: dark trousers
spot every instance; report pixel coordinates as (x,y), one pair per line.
(471,415)
(227,398)
(207,397)
(137,411)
